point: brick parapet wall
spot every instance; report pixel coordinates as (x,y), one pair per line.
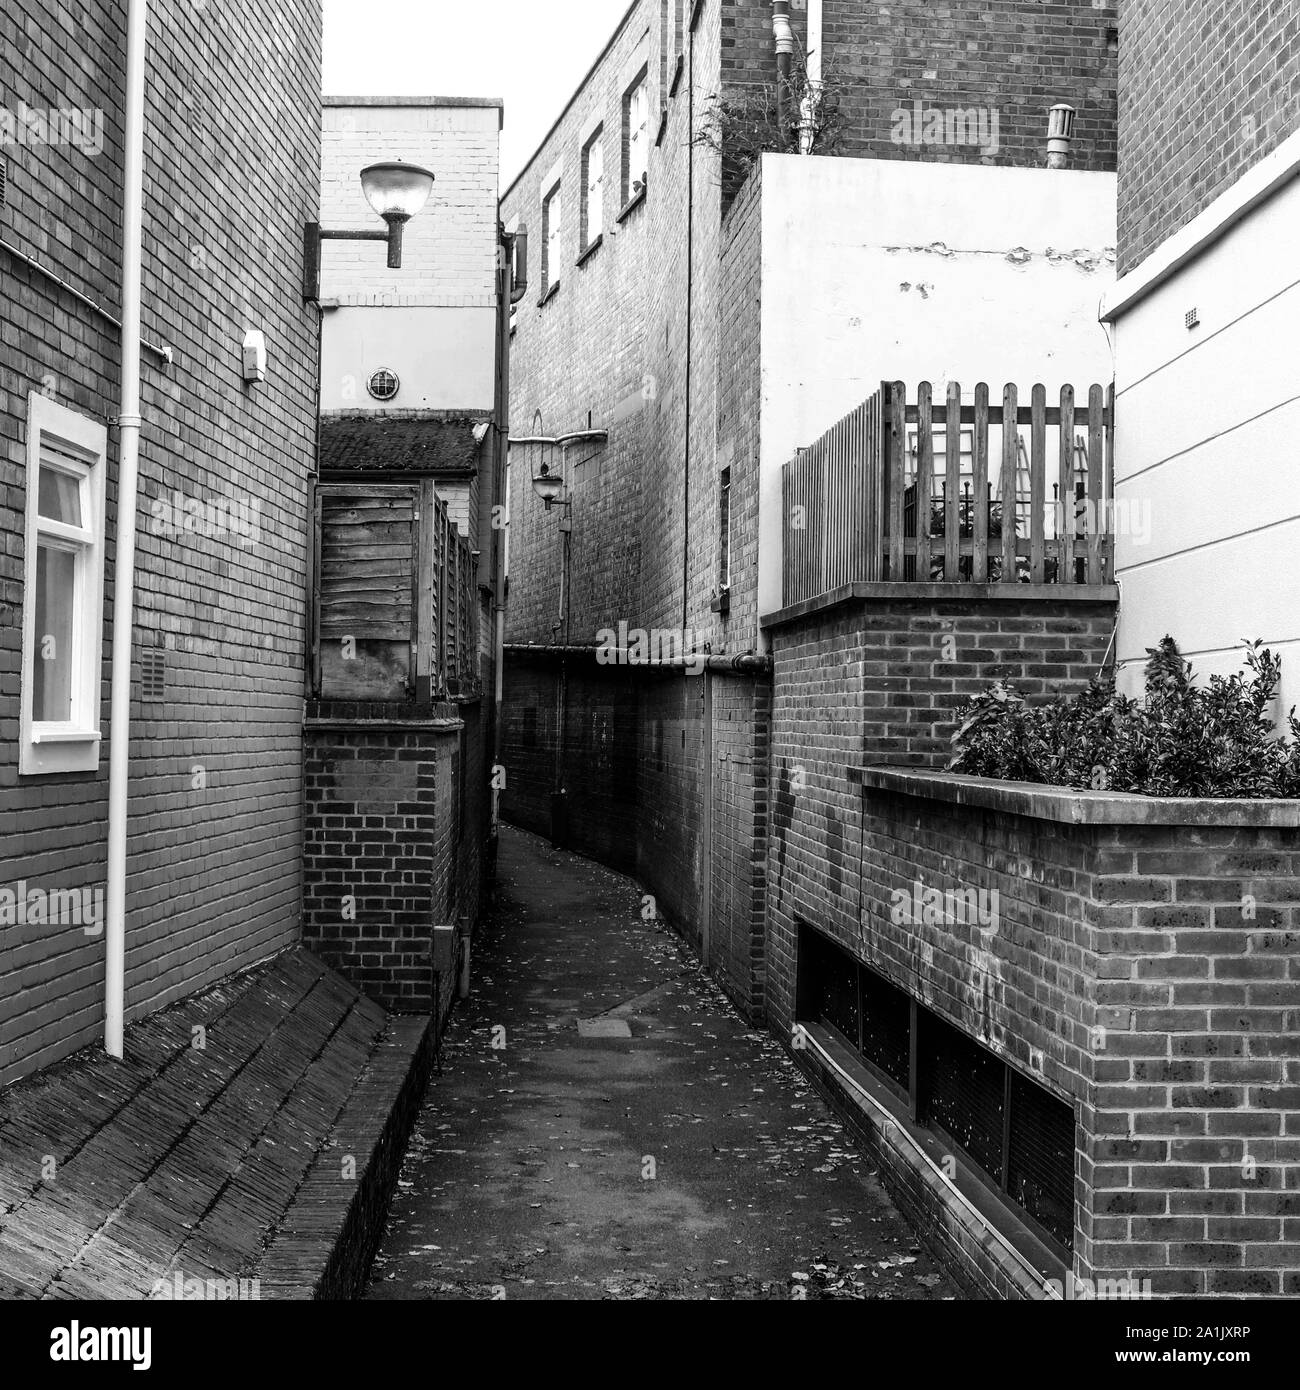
(382,842)
(1150,974)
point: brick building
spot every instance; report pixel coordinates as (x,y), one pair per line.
(688,327)
(231,152)
(1205,338)
(401,717)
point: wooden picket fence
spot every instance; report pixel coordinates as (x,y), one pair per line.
(889,493)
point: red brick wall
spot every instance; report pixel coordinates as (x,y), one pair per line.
(1153,968)
(1018,58)
(1207,89)
(881,681)
(382,845)
(231,152)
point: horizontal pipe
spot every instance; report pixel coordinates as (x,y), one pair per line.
(596,436)
(163,353)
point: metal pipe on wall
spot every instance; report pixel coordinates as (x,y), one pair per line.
(812,97)
(124,559)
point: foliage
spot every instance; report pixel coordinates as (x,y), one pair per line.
(746,124)
(1182,739)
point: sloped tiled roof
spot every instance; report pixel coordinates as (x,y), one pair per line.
(377,443)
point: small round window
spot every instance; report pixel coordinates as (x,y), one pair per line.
(384,385)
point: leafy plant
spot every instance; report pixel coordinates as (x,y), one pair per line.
(766,117)
(1182,739)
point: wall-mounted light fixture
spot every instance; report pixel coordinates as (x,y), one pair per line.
(548,458)
(397,192)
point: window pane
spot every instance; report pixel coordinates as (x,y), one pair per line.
(59,496)
(56,597)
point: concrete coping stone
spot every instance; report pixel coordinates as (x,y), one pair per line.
(889,591)
(1073,807)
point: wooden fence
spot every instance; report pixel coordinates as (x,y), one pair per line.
(890,492)
(394,595)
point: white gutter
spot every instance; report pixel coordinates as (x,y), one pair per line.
(812,97)
(124,559)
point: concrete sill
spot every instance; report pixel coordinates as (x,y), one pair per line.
(1022,1257)
(631,205)
(551,291)
(1070,807)
(592,248)
(864,591)
(678,69)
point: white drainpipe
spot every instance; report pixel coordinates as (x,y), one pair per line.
(124,561)
(813,95)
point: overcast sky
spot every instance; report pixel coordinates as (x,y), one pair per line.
(529,53)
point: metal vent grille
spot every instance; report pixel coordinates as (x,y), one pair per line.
(153,676)
(833,977)
(965,1088)
(1040,1161)
(4,180)
(886,1026)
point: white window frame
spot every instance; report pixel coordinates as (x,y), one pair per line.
(81,448)
(593,193)
(636,105)
(552,231)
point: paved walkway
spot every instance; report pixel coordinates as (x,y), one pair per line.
(687,1160)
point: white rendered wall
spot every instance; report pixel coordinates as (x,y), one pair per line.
(1208,438)
(900,270)
(433,321)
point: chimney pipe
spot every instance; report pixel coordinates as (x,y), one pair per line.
(784,35)
(1060,133)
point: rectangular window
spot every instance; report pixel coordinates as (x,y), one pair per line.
(1017,1135)
(724,530)
(552,225)
(63,590)
(636,138)
(593,189)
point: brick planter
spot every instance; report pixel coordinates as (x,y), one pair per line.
(1145,967)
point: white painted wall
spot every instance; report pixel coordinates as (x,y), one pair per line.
(900,270)
(443,356)
(1208,438)
(433,321)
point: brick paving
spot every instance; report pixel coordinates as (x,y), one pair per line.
(528,1175)
(216,1148)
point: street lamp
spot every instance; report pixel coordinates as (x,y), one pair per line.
(397,192)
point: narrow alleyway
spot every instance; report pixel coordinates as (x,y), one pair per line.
(628,1136)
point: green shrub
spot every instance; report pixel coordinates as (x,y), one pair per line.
(1215,740)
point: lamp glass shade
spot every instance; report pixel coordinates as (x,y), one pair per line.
(396,189)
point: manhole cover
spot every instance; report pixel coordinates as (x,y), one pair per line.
(604,1028)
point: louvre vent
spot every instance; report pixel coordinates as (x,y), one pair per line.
(886,1026)
(4,180)
(153,676)
(1040,1160)
(964,1092)
(1016,1133)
